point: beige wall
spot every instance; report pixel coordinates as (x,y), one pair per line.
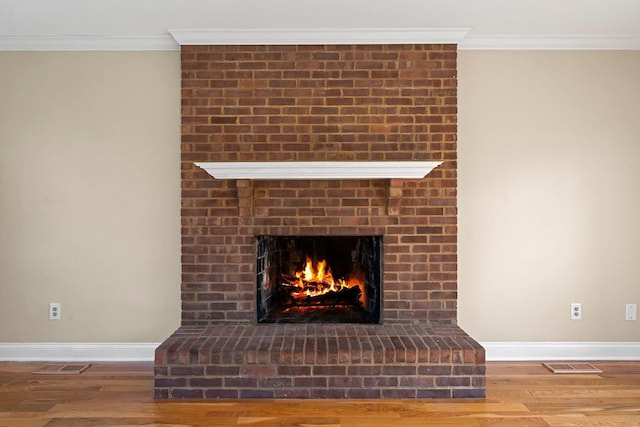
(549,194)
(89,195)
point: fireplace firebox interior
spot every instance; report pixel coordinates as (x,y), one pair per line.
(319,279)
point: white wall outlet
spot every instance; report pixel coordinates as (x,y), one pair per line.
(576,311)
(631,312)
(54,311)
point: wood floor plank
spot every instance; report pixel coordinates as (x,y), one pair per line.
(518,394)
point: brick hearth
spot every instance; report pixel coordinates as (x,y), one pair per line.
(319,103)
(319,361)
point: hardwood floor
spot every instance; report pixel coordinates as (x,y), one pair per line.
(518,394)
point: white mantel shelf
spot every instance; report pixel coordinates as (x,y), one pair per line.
(319,170)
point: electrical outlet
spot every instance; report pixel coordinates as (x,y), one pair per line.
(54,311)
(576,311)
(631,312)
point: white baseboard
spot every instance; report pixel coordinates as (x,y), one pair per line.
(523,351)
(72,352)
(495,351)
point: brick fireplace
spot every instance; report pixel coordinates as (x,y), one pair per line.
(333,103)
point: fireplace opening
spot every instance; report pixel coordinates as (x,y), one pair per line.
(319,279)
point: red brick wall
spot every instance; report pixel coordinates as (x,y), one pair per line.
(281,103)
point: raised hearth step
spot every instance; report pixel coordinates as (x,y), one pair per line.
(319,361)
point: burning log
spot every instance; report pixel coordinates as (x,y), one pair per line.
(345,296)
(319,294)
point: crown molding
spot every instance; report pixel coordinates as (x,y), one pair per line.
(533,42)
(459,36)
(301,36)
(84,43)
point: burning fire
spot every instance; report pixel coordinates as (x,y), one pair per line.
(316,279)
(319,274)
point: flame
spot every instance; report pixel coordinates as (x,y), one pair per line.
(320,276)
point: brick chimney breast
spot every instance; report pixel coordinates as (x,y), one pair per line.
(314,103)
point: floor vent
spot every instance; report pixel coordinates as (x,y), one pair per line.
(572,368)
(61,369)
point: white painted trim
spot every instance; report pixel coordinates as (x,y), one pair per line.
(71,352)
(538,351)
(88,43)
(532,42)
(495,351)
(302,36)
(318,170)
(459,36)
